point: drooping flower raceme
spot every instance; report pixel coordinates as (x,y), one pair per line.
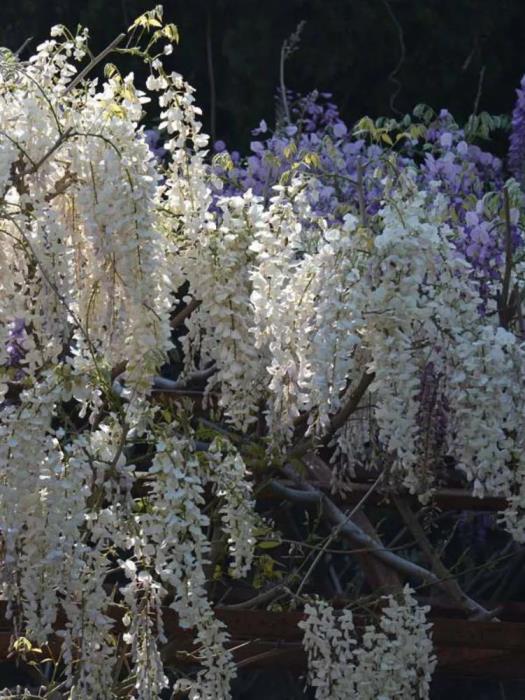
(392,660)
(218,267)
(517,136)
(396,299)
(85,262)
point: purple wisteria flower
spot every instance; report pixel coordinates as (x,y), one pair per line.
(314,112)
(516,158)
(15,344)
(350,169)
(153,139)
(318,142)
(15,348)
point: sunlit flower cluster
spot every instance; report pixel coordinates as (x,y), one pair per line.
(86,293)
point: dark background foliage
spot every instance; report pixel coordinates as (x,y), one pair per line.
(453,53)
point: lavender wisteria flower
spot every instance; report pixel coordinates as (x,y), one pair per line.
(349,170)
(319,141)
(154,141)
(516,155)
(15,343)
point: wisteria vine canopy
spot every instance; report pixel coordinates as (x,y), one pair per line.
(203,354)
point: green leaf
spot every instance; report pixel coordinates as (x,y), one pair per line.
(151,18)
(116,110)
(110,69)
(312,159)
(269,544)
(171,32)
(290,150)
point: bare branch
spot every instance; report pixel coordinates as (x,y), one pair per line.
(351,405)
(95,61)
(182,315)
(449,583)
(347,528)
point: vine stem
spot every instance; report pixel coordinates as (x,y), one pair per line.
(95,61)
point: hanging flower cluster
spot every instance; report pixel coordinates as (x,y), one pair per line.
(430,248)
(86,293)
(517,138)
(218,267)
(392,660)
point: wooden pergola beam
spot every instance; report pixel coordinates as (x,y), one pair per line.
(261,639)
(444,498)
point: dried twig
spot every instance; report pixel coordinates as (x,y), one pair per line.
(289,46)
(211,75)
(402,48)
(479,90)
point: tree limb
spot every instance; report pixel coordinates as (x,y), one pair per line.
(347,528)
